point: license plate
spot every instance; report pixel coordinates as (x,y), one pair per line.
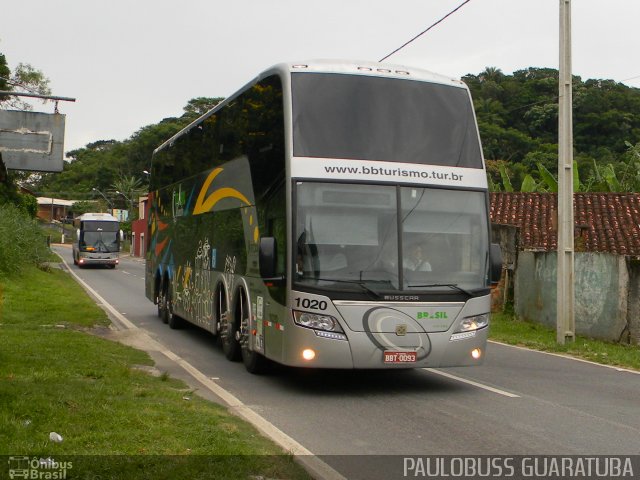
(399,357)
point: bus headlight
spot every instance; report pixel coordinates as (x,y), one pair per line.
(317,321)
(471,324)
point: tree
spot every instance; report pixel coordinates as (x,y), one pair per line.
(83,206)
(5,72)
(196,107)
(130,188)
(25,77)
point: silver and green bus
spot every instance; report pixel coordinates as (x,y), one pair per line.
(328,215)
(96,240)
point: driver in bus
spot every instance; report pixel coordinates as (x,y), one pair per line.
(415,259)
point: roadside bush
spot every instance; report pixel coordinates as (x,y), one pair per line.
(21,240)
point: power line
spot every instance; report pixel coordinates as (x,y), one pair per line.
(632,78)
(425,31)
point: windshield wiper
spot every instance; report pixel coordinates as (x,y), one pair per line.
(360,283)
(104,245)
(453,286)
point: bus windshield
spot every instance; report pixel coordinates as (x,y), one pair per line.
(390,238)
(99,242)
(373,118)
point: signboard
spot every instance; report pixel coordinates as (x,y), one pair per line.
(32,141)
(121,215)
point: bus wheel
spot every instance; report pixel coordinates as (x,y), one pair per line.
(228,334)
(220,308)
(163,305)
(158,293)
(253,361)
(175,322)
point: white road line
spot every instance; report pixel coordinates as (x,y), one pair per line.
(569,357)
(316,467)
(475,384)
(125,324)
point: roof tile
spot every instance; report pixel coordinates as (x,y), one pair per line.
(604,222)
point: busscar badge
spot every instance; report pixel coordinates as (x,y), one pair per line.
(401,329)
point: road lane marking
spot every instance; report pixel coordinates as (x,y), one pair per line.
(569,357)
(475,384)
(124,323)
(316,467)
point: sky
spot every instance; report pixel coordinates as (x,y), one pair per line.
(131,63)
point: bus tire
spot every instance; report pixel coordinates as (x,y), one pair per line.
(253,361)
(164,305)
(158,301)
(230,344)
(220,306)
(175,322)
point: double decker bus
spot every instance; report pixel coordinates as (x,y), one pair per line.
(97,240)
(328,215)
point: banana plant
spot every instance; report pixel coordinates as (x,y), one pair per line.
(529,184)
(552,183)
(506,181)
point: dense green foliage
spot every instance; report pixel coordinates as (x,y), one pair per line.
(4,75)
(518,120)
(21,240)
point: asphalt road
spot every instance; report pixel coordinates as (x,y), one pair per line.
(363,424)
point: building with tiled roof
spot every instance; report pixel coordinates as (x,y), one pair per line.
(606,274)
(604,222)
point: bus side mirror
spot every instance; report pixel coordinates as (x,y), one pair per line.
(495,255)
(77,233)
(121,235)
(268,257)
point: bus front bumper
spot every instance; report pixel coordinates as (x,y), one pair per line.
(97,260)
(361,351)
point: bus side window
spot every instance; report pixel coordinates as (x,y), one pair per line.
(276,224)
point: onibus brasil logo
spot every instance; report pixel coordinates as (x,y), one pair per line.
(38,468)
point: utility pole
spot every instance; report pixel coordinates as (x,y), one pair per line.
(565,321)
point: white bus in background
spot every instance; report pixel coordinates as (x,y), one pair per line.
(328,215)
(97,240)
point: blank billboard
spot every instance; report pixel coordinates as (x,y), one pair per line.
(31,140)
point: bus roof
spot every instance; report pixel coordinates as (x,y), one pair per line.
(345,67)
(103,217)
(367,68)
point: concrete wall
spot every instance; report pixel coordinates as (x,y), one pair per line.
(602,292)
(633,305)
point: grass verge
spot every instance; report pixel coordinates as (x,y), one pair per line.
(123,422)
(507,328)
